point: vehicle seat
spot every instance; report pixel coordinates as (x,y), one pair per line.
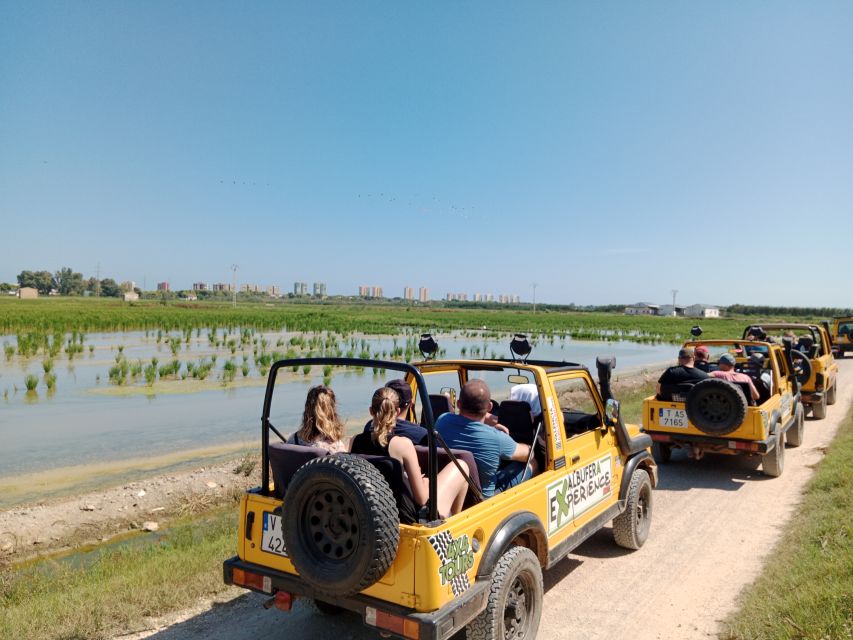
(747,393)
(515,416)
(440,404)
(392,470)
(675,392)
(471,498)
(285,459)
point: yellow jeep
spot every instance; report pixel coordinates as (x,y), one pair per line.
(717,416)
(813,340)
(842,335)
(330,531)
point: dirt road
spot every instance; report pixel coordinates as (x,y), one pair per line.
(714,523)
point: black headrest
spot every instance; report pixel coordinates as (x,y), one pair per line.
(285,459)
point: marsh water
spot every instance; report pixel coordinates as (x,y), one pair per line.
(101,430)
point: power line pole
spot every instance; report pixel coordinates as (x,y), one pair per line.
(234,268)
(534,296)
(674,293)
(98,280)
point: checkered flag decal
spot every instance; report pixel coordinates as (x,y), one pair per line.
(440,542)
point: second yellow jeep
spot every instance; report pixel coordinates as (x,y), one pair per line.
(717,416)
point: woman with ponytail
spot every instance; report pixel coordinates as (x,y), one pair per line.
(381,441)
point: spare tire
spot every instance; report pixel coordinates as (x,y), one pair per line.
(342,526)
(716,406)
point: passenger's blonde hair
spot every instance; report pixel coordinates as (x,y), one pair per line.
(384,406)
(320,420)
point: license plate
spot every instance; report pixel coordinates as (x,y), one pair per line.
(272,540)
(672,418)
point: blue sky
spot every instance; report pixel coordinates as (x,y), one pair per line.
(607,151)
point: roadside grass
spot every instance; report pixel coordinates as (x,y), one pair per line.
(113,588)
(806,589)
(631,392)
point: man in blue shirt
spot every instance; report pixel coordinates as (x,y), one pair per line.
(414,432)
(489,445)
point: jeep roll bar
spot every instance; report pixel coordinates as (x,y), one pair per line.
(426,408)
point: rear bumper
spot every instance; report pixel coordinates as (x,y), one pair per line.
(435,625)
(720,444)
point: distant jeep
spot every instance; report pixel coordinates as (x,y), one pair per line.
(814,342)
(842,335)
(325,527)
(716,416)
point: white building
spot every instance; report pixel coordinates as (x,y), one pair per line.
(642,309)
(702,311)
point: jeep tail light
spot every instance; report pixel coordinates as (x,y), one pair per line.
(400,625)
(745,446)
(251,580)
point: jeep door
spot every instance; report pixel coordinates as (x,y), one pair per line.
(588,483)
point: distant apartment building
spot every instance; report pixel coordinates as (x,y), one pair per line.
(250,288)
(200,286)
(300,288)
(408,293)
(461,297)
(319,289)
(162,286)
(506,298)
(423,294)
(370,292)
(483,297)
(128,285)
(376,292)
(223,286)
(274,291)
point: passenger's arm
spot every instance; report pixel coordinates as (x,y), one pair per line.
(522,451)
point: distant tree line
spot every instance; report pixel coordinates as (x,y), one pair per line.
(764,310)
(68,282)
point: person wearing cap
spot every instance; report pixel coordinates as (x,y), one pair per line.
(756,361)
(414,432)
(684,371)
(702,358)
(727,372)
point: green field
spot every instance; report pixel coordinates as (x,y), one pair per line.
(67,315)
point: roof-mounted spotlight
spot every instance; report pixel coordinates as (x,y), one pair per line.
(428,346)
(520,347)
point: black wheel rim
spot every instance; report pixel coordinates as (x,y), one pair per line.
(517,610)
(332,530)
(715,407)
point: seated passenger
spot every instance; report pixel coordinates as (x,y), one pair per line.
(490,445)
(383,440)
(727,372)
(756,361)
(414,432)
(321,425)
(701,358)
(684,371)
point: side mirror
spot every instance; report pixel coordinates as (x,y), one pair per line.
(611,411)
(450,392)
